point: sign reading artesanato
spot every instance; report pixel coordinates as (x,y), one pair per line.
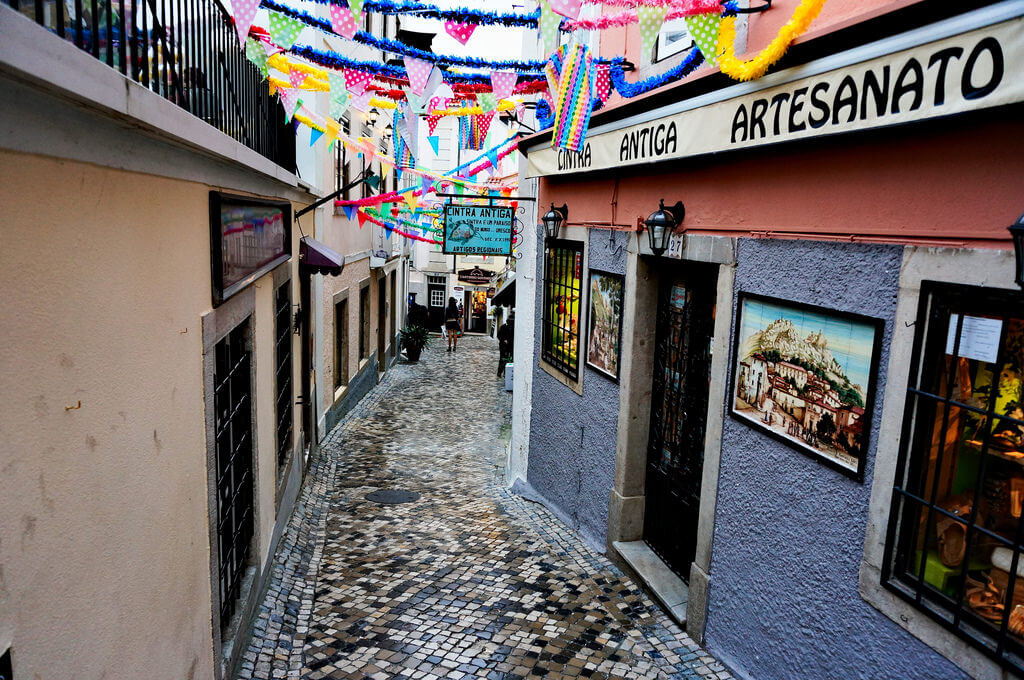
(974,70)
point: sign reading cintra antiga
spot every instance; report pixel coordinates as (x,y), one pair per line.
(974,70)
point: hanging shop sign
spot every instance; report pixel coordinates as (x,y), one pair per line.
(475,276)
(248,238)
(477,230)
(974,70)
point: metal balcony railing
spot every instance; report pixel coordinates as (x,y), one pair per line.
(186,51)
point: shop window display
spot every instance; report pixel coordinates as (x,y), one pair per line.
(955,534)
(563,287)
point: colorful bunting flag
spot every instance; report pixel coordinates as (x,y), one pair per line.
(410,199)
(567,8)
(503,83)
(434,82)
(487,101)
(572,107)
(418,71)
(482,123)
(339,95)
(290,100)
(256,55)
(284,30)
(245,12)
(356,81)
(602,82)
(361,102)
(343,22)
(460,32)
(432,122)
(650,20)
(435,142)
(357,8)
(548,28)
(350,211)
(704,31)
(314,135)
(297,77)
(361,216)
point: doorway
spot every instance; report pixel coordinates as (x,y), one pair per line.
(679,403)
(436,286)
(382,320)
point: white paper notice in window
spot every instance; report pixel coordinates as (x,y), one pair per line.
(979,337)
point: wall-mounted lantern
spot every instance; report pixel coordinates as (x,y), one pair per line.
(554,219)
(661,223)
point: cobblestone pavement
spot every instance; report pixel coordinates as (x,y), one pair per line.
(468,581)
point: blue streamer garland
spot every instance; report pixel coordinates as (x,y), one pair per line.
(396,47)
(681,70)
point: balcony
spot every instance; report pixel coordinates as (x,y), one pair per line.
(187,52)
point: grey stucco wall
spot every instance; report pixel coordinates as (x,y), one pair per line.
(571,463)
(789,531)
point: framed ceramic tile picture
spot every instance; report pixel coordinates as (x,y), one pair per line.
(805,375)
(604,332)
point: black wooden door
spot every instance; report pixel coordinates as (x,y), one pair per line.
(679,404)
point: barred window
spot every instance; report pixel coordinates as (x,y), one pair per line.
(953,547)
(563,286)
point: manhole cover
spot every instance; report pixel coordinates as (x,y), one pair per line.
(392,496)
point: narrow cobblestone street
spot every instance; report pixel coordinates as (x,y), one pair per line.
(468,580)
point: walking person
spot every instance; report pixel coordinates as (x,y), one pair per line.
(506,338)
(451,323)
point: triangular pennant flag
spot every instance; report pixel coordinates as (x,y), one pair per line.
(492,157)
(361,217)
(549,22)
(418,71)
(411,199)
(567,8)
(290,100)
(330,145)
(256,55)
(503,83)
(284,30)
(487,101)
(650,20)
(343,22)
(415,101)
(387,233)
(350,211)
(297,77)
(435,142)
(602,82)
(385,167)
(361,102)
(245,12)
(460,32)
(356,81)
(333,130)
(703,29)
(269,47)
(314,135)
(434,82)
(356,6)
(484,121)
(432,122)
(339,95)
(426,185)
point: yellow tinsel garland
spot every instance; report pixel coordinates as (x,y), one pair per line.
(751,69)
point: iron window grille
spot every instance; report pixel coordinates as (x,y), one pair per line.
(955,530)
(437,298)
(233,428)
(340,344)
(563,289)
(283,369)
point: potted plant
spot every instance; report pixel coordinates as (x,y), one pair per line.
(414,339)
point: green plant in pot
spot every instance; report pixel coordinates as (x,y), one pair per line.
(414,339)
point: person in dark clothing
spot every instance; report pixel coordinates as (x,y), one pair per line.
(506,343)
(418,315)
(452,320)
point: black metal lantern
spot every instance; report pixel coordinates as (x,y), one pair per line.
(554,218)
(661,223)
(1017,233)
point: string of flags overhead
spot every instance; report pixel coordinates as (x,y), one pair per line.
(572,81)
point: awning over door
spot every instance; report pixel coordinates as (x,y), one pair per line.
(316,258)
(506,297)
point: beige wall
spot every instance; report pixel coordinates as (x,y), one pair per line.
(104,550)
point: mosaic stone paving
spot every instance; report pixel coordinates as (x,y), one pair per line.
(468,581)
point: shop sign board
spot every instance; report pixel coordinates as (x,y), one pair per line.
(475,276)
(248,238)
(974,70)
(477,229)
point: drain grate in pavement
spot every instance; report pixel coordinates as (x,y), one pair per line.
(392,496)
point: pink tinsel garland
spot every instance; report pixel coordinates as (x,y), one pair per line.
(678,10)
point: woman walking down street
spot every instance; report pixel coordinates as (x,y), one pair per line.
(451,323)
